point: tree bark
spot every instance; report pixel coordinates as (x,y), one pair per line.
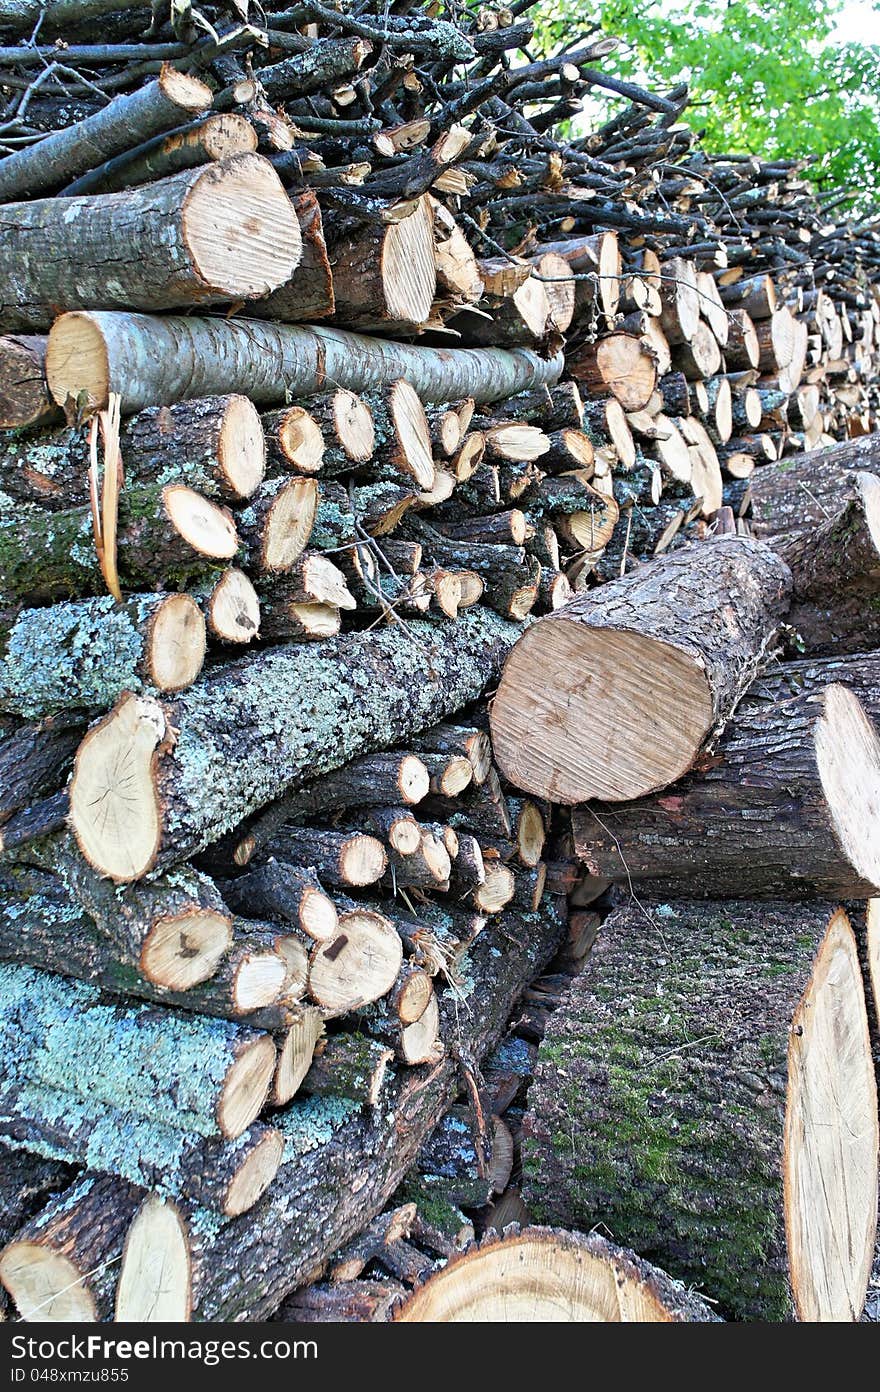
(35,760)
(691,1098)
(156,361)
(666,664)
(169,101)
(785,804)
(25,398)
(249,731)
(83,655)
(215,138)
(192,239)
(309,295)
(348,1065)
(187,1071)
(796,494)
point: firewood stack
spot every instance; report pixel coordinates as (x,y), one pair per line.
(326,363)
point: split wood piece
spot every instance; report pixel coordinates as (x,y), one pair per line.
(619,364)
(277,523)
(221,232)
(836,572)
(782,341)
(170,808)
(231,606)
(25,398)
(445,427)
(309,293)
(706,480)
(351,1302)
(712,307)
(348,1065)
(756,295)
(742,349)
(188,1071)
(173,99)
(600,255)
(458,273)
(400,445)
(35,759)
(376,508)
(569,449)
(173,929)
(338,858)
(530,886)
(296,1053)
(680,300)
(294,440)
(216,137)
(801,493)
(384,277)
(537,1274)
(258,982)
(605,421)
(678,678)
(468,866)
(411,994)
(152,361)
(556,408)
(284,893)
(699,356)
(83,655)
(765,1147)
(671,449)
(228,1176)
(214,445)
(61,1266)
(535,315)
(168,535)
(718,415)
(529,830)
(512,440)
(791,814)
(395,1223)
(249,1264)
(358,965)
(471,742)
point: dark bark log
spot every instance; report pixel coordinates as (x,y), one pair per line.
(348,1065)
(285,893)
(25,398)
(796,494)
(704,1107)
(309,294)
(630,636)
(36,759)
(352,1302)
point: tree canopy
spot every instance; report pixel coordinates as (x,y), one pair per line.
(765,77)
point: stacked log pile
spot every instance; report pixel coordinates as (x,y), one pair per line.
(328,363)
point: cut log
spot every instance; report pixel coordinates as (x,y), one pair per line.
(680,300)
(386,780)
(187,1071)
(277,523)
(787,803)
(26,1184)
(737,1163)
(612,654)
(169,809)
(83,655)
(284,893)
(411,994)
(384,277)
(618,364)
(294,439)
(25,398)
(167,536)
(231,606)
(296,1054)
(243,1267)
(348,1065)
(742,349)
(221,232)
(217,137)
(228,1176)
(352,1302)
(60,1267)
(535,1275)
(309,294)
(782,343)
(836,572)
(338,858)
(800,493)
(368,1246)
(171,100)
(358,965)
(756,295)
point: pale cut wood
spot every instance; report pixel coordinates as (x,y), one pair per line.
(386,277)
(618,364)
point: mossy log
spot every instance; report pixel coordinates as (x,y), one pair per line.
(214,444)
(82,655)
(174,929)
(348,1065)
(534,1275)
(223,231)
(615,694)
(61,1266)
(228,1176)
(787,803)
(168,536)
(341,1162)
(187,1071)
(249,731)
(153,361)
(706,1090)
(258,982)
(797,494)
(171,100)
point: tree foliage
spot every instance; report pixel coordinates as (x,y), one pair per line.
(764,76)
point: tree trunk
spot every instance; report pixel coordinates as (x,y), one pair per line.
(788,802)
(797,494)
(243,1268)
(83,655)
(651,665)
(712,1101)
(384,277)
(171,100)
(227,1176)
(24,394)
(264,726)
(220,232)
(187,1071)
(536,1274)
(155,361)
(167,537)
